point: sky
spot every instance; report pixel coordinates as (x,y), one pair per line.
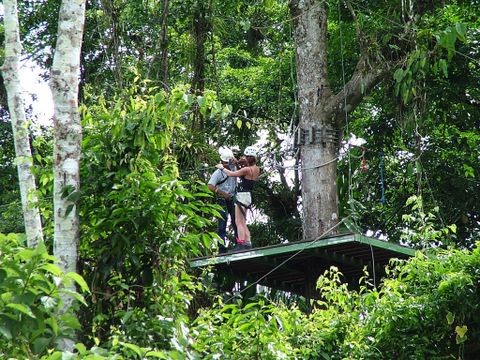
(34,87)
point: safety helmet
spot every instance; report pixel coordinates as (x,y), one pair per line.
(225,153)
(250,151)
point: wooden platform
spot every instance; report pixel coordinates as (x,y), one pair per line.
(295,267)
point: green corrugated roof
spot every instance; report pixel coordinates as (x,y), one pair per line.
(295,266)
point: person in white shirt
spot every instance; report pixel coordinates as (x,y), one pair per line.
(224,187)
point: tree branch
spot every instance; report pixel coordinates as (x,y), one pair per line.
(363,80)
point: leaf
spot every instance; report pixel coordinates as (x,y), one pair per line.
(69,209)
(201,101)
(398,75)
(461,30)
(79,280)
(133,347)
(469,172)
(245,327)
(157,354)
(25,254)
(5,331)
(250,305)
(352,226)
(21,308)
(81,348)
(51,268)
(66,191)
(325,355)
(453,228)
(67,320)
(245,24)
(239,123)
(444,67)
(217,106)
(40,344)
(53,325)
(450,318)
(188,99)
(74,196)
(461,330)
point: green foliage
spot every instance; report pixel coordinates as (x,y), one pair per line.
(11,219)
(143,213)
(428,134)
(140,221)
(248,331)
(427,59)
(419,227)
(426,308)
(31,285)
(42,150)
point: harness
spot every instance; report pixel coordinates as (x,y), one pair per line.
(221,199)
(221,182)
(242,199)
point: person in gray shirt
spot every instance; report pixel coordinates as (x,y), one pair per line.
(224,187)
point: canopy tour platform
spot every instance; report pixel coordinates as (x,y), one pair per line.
(295,267)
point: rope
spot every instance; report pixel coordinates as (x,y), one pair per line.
(350,191)
(381,165)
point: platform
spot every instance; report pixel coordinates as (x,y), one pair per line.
(295,267)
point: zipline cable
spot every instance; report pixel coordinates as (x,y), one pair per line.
(345,102)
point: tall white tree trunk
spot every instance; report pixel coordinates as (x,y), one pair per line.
(322,113)
(68,132)
(23,154)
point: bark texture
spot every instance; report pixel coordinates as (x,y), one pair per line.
(10,71)
(114,42)
(322,109)
(68,131)
(162,73)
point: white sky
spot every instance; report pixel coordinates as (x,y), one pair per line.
(33,84)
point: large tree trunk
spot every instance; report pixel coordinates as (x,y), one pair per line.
(68,132)
(319,189)
(10,70)
(322,114)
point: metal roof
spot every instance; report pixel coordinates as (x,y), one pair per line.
(295,267)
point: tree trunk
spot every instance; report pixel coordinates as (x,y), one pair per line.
(10,70)
(68,133)
(163,68)
(200,30)
(322,114)
(114,43)
(319,189)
